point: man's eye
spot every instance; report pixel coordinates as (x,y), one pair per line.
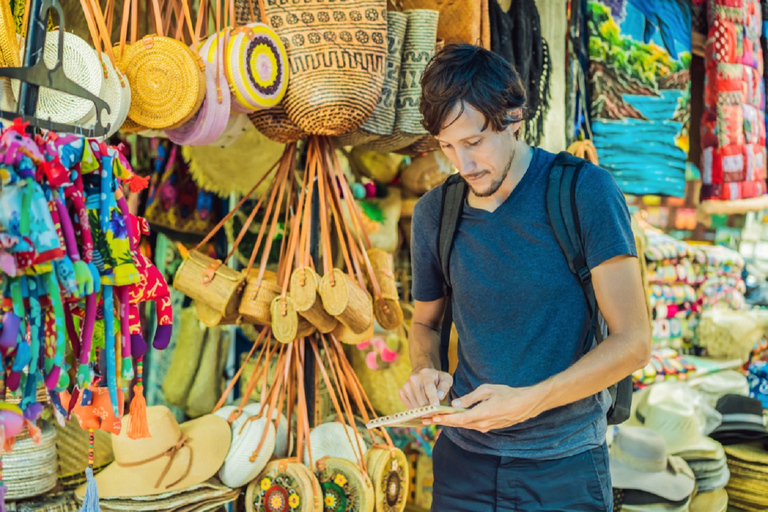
(477,142)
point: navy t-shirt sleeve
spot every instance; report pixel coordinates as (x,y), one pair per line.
(606,227)
(427,274)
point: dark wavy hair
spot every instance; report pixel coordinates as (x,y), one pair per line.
(464,74)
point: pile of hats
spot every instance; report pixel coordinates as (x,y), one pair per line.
(742,420)
(645,477)
(173,470)
(748,488)
(30,469)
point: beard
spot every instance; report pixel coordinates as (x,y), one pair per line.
(495,184)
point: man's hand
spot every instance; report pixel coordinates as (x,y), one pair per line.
(495,407)
(426,386)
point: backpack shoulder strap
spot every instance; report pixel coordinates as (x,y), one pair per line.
(454,191)
(564,219)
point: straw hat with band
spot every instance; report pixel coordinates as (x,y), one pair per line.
(679,426)
(715,501)
(727,382)
(176,457)
(256,65)
(210,122)
(639,460)
(742,420)
(167,77)
(345,486)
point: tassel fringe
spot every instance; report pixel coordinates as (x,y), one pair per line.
(91,499)
(139,428)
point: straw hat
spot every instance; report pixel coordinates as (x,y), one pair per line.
(284,486)
(639,460)
(31,469)
(196,498)
(657,507)
(176,457)
(242,463)
(715,501)
(679,426)
(335,440)
(345,486)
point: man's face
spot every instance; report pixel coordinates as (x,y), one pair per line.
(483,157)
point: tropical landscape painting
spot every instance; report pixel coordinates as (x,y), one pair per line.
(640,54)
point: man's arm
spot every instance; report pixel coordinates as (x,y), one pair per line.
(427,384)
(619,292)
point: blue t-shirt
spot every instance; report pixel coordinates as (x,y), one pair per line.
(520,314)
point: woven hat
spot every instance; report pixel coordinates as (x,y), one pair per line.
(284,486)
(344,486)
(389,472)
(144,467)
(657,507)
(31,469)
(335,440)
(197,498)
(243,462)
(237,167)
(679,426)
(82,65)
(639,460)
(742,420)
(715,501)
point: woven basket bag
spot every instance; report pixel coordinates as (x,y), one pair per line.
(461,21)
(336,53)
(276,125)
(167,79)
(284,486)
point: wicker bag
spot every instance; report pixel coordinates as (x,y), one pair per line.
(336,53)
(382,120)
(258,297)
(304,285)
(386,309)
(389,471)
(276,125)
(418,49)
(344,484)
(285,485)
(347,301)
(461,21)
(209,281)
(167,79)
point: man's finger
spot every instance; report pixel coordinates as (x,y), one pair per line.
(472,398)
(445,381)
(430,390)
(406,396)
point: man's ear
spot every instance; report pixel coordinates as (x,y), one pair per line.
(516,115)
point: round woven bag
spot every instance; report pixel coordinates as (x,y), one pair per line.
(82,65)
(243,464)
(256,67)
(344,486)
(276,125)
(284,487)
(167,82)
(209,123)
(337,53)
(388,469)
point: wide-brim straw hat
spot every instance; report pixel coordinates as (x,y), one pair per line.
(715,501)
(639,461)
(335,440)
(141,466)
(31,469)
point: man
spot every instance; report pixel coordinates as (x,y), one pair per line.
(534,437)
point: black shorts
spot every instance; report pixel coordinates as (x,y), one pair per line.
(472,482)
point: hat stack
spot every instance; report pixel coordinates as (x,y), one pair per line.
(714,386)
(742,420)
(31,468)
(645,477)
(172,470)
(748,487)
(679,425)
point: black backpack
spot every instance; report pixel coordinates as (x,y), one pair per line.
(564,218)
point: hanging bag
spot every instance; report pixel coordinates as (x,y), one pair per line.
(167,78)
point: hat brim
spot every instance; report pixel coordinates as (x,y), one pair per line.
(715,501)
(204,453)
(670,486)
(699,448)
(752,428)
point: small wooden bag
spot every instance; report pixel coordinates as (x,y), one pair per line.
(210,282)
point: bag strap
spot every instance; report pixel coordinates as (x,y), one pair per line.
(564,219)
(452,205)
